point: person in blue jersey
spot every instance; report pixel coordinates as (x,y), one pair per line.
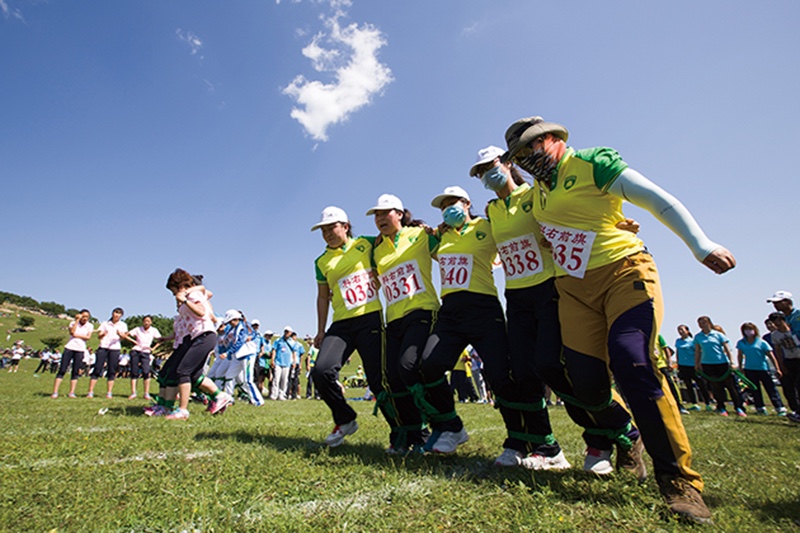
(714,361)
(684,348)
(282,357)
(241,348)
(754,356)
(782,302)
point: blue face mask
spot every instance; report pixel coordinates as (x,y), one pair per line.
(494,179)
(454,216)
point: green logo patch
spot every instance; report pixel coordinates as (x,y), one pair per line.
(527,206)
(480,235)
(569,182)
(361,247)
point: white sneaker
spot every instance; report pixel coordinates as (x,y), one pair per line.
(598,461)
(509,457)
(336,438)
(537,461)
(448,441)
(219,405)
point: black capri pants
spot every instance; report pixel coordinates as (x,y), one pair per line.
(73,357)
(103,355)
(140,358)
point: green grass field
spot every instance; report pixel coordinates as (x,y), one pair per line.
(65,467)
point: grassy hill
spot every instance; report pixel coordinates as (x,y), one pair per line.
(44,326)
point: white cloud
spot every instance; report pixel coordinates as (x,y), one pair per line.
(9,12)
(469,30)
(187,37)
(351,54)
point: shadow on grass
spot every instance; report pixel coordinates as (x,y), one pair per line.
(571,485)
(777,511)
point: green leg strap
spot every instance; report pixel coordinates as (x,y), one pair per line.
(617,435)
(529,407)
(536,439)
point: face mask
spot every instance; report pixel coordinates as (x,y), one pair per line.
(494,179)
(749,332)
(454,216)
(539,164)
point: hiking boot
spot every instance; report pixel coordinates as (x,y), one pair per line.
(598,461)
(336,438)
(448,441)
(683,499)
(632,461)
(537,461)
(509,457)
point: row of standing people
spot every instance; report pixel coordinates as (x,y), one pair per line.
(590,308)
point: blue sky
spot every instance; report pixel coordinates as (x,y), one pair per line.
(137,137)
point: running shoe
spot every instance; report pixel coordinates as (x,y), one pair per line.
(132,397)
(683,499)
(178,414)
(509,457)
(537,461)
(794,417)
(340,431)
(109,395)
(156,410)
(598,461)
(448,441)
(683,410)
(431,440)
(761,411)
(740,413)
(147,397)
(781,411)
(709,407)
(399,450)
(72,395)
(90,395)
(54,395)
(695,407)
(723,413)
(221,403)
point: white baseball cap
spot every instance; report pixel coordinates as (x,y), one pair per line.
(289,329)
(485,155)
(450,192)
(780,295)
(387,202)
(255,322)
(269,333)
(231,314)
(331,215)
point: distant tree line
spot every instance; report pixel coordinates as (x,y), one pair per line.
(51,308)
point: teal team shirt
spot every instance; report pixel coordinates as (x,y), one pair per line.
(755,354)
(711,349)
(685,350)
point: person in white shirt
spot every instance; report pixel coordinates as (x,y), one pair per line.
(80,331)
(109,333)
(143,338)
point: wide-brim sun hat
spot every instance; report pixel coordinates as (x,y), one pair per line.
(331,215)
(231,314)
(523,131)
(450,192)
(485,155)
(386,202)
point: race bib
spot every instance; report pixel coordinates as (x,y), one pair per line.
(402,281)
(571,247)
(456,270)
(358,289)
(520,256)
